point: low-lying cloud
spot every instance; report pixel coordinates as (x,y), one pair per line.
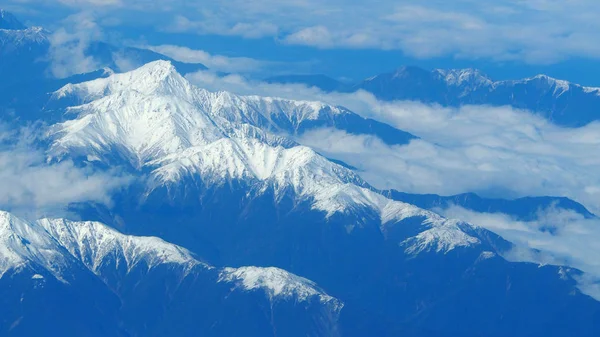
(33,188)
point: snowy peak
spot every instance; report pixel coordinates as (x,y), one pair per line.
(278,284)
(153,111)
(558,87)
(15,36)
(9,21)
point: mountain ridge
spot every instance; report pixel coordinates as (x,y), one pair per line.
(89,254)
(563,103)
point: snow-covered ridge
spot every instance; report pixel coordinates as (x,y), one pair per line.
(96,244)
(56,246)
(475,79)
(277,283)
(155,119)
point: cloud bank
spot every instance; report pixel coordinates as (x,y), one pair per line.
(33,188)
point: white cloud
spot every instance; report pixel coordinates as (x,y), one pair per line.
(556,237)
(213,62)
(68,46)
(31,187)
(210,24)
(501,152)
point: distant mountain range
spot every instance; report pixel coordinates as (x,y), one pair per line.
(559,101)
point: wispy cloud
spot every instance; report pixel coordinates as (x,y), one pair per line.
(213,62)
(69,43)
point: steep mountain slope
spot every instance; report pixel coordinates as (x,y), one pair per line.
(124,285)
(218,176)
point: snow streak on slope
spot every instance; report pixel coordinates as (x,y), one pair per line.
(155,119)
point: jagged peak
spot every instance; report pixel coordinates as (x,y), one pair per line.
(559,86)
(250,158)
(56,246)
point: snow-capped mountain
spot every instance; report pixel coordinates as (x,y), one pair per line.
(156,119)
(144,273)
(219,176)
(562,102)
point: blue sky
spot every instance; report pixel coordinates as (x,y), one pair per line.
(357,39)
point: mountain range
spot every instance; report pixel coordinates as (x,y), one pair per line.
(221,175)
(561,102)
(231,226)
